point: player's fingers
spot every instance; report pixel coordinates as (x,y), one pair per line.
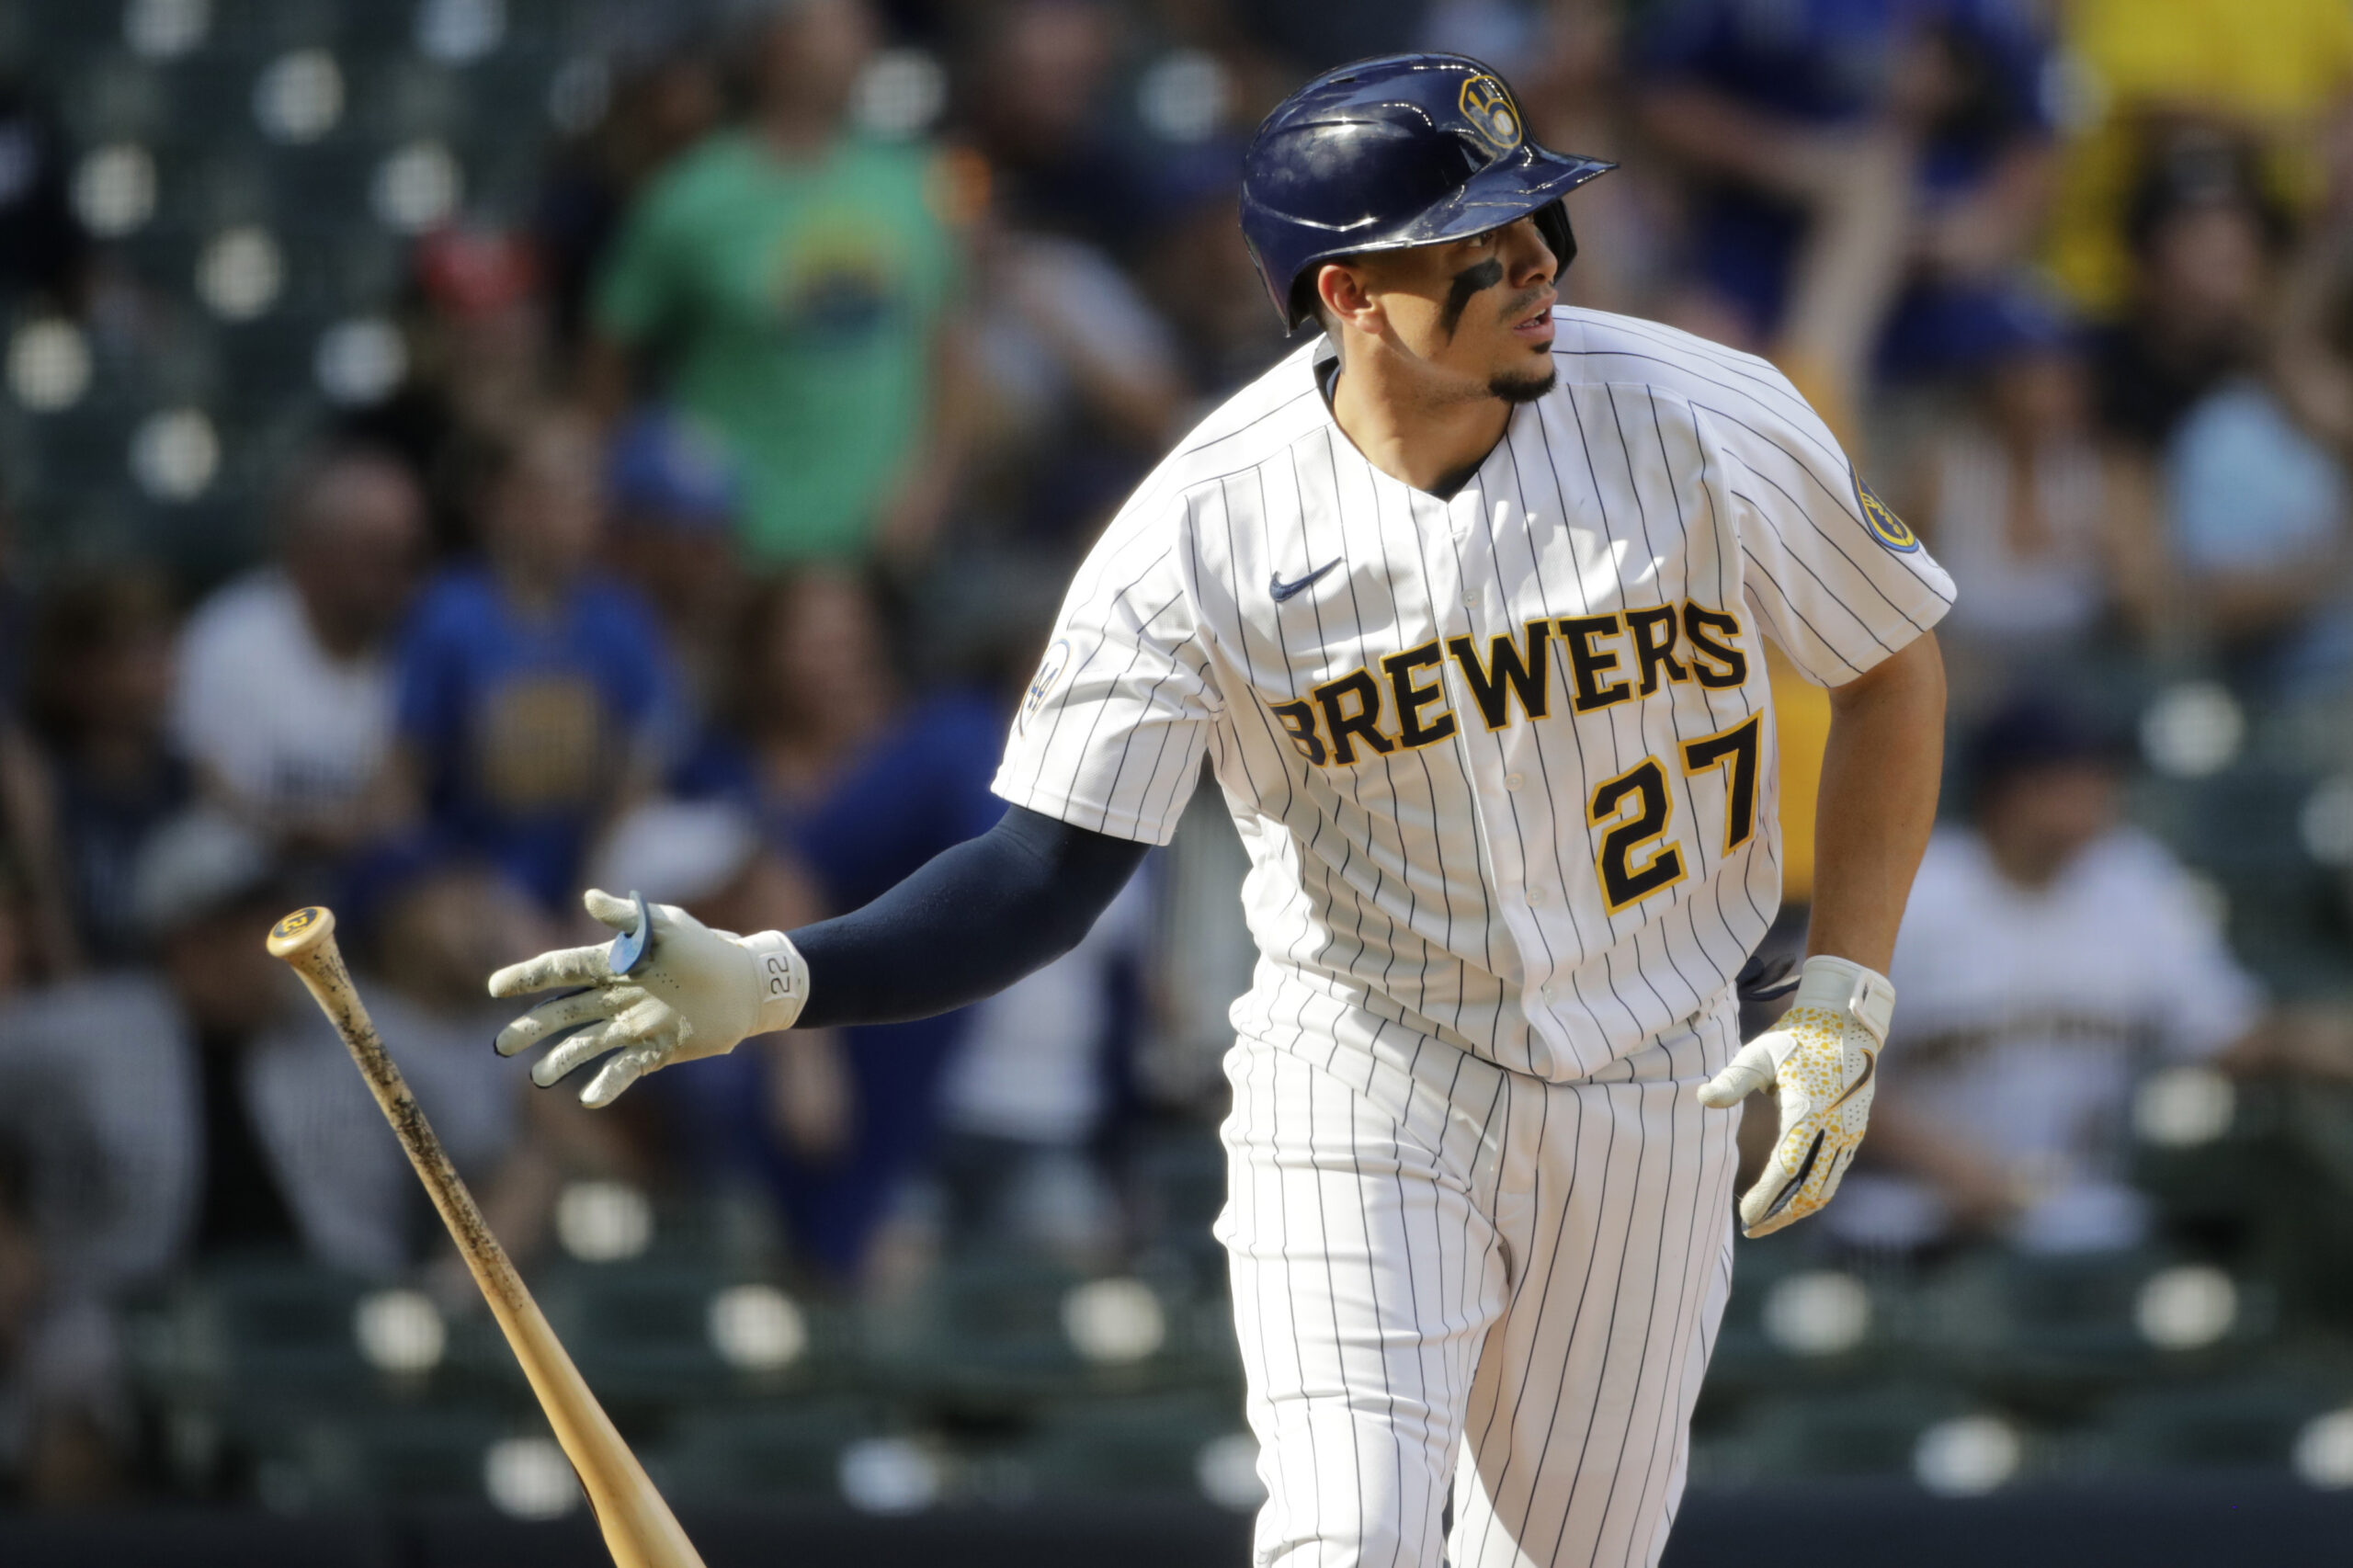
(1828,1187)
(1745,1074)
(625,1069)
(620,914)
(554,1015)
(641,1021)
(1788,1188)
(560,1063)
(565,966)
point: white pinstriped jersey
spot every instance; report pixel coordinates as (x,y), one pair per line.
(1504,761)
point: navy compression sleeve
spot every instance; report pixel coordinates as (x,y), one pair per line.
(972,921)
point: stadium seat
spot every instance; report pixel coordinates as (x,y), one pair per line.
(1872,1431)
(381,1455)
(780,1450)
(1798,1319)
(655,1332)
(2059,1328)
(2227,1177)
(271,1329)
(1123,1448)
(2247,1424)
(1009,1333)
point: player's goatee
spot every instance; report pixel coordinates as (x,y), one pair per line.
(1521,388)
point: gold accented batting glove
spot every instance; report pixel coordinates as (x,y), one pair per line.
(1823,1055)
(695,993)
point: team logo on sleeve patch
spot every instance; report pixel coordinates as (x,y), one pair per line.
(1886,527)
(1050,670)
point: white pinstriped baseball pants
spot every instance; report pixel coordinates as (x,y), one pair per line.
(1461,1275)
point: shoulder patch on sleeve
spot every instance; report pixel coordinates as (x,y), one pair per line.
(1886,527)
(1050,676)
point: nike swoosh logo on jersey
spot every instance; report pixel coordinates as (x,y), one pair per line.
(1281,590)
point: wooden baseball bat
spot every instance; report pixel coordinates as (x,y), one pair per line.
(640,1530)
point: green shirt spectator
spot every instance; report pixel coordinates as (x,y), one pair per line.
(794,305)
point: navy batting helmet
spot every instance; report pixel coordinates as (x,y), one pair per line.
(1402,150)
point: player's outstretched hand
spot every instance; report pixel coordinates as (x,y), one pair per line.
(695,993)
(1823,1055)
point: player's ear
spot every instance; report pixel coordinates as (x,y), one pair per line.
(1341,288)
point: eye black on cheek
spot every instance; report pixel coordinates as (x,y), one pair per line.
(1473,280)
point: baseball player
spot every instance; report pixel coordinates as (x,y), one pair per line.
(1465,601)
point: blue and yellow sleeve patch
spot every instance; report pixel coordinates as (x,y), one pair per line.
(1886,527)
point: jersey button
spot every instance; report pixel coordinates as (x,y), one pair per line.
(1537,897)
(1469,599)
(1514,780)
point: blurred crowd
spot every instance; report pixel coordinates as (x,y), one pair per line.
(733,479)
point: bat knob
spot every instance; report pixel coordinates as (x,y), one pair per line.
(301,931)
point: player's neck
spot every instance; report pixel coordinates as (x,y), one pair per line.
(1402,427)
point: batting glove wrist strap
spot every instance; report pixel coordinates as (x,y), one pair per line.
(784,979)
(1822,1059)
(1843,984)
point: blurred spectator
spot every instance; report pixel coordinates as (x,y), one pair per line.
(44,251)
(675,499)
(209,1111)
(2262,505)
(435,938)
(1029,1095)
(2140,70)
(1570,70)
(128,1151)
(1197,271)
(2263,532)
(99,688)
(536,700)
(479,365)
(1083,382)
(790,278)
(1035,79)
(36,910)
(865,786)
(1864,170)
(788,1091)
(2251,441)
(315,630)
(2202,235)
(665,97)
(2049,958)
(2045,533)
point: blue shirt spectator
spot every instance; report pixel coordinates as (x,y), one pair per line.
(528,723)
(2262,518)
(536,698)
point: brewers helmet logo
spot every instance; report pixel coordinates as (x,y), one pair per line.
(1488,104)
(1886,527)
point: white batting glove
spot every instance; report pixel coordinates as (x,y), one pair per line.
(1823,1056)
(696,993)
